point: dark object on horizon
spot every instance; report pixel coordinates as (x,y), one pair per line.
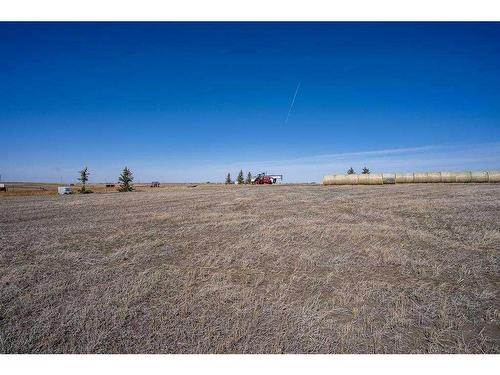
(365,171)
(350,171)
(3,187)
(108,184)
(155,184)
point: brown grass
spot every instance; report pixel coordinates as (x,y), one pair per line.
(24,189)
(259,269)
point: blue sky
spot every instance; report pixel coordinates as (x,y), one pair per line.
(192,101)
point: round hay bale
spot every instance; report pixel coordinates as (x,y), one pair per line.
(479,176)
(351,179)
(419,177)
(370,179)
(449,177)
(338,180)
(331,180)
(404,178)
(364,179)
(494,176)
(463,177)
(328,180)
(389,178)
(375,179)
(434,177)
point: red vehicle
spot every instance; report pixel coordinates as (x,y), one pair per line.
(264,179)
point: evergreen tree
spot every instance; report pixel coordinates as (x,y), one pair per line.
(228,179)
(126,179)
(249,178)
(365,171)
(350,171)
(240,179)
(84,177)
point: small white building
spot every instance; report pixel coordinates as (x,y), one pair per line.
(61,190)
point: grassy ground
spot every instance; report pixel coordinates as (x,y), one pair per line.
(23,189)
(259,269)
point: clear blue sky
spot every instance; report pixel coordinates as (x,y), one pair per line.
(192,101)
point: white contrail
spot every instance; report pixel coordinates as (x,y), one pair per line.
(293,102)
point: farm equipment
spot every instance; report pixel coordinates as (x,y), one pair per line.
(265,179)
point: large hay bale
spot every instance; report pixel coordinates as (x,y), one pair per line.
(328,180)
(494,176)
(338,180)
(434,177)
(389,178)
(376,179)
(463,177)
(419,177)
(479,176)
(370,179)
(364,179)
(350,179)
(449,177)
(404,178)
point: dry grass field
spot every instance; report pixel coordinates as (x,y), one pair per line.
(256,269)
(18,189)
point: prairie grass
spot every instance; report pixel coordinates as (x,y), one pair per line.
(253,269)
(18,189)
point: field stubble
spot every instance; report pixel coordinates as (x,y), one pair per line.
(253,269)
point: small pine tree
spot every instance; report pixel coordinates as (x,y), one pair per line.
(126,179)
(365,171)
(240,179)
(228,179)
(84,177)
(249,178)
(350,171)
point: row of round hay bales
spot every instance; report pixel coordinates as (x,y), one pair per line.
(354,179)
(408,178)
